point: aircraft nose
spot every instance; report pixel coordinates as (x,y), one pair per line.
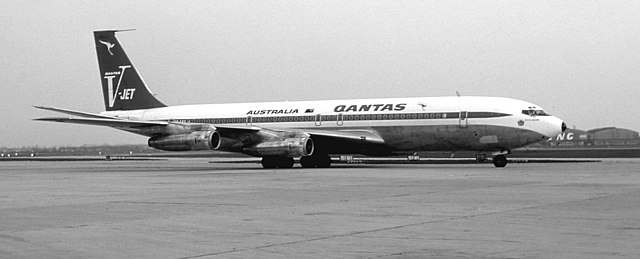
(563,127)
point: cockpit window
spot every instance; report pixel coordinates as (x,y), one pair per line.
(534,112)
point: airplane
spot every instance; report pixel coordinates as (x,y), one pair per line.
(311,130)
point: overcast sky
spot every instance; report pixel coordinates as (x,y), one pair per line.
(580,60)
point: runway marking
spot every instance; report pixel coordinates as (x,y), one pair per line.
(404,226)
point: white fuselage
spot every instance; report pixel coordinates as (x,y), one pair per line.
(405,124)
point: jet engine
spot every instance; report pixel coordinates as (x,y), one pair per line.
(263,143)
(197,140)
(289,147)
(221,143)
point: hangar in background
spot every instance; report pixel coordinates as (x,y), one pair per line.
(609,137)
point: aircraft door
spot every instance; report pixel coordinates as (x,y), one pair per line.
(463,119)
(318,119)
(249,120)
(340,119)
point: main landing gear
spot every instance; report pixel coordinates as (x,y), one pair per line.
(313,161)
(271,162)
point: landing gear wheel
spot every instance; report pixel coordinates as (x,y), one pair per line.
(286,162)
(271,162)
(500,161)
(324,161)
(307,162)
(319,161)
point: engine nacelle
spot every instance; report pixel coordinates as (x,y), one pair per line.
(225,144)
(289,147)
(197,140)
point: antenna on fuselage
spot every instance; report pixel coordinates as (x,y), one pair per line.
(458,94)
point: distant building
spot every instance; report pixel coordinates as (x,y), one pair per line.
(609,137)
(614,137)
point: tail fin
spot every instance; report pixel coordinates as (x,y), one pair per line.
(122,86)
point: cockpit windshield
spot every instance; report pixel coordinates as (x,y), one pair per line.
(535,112)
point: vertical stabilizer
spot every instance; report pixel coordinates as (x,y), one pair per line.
(122,86)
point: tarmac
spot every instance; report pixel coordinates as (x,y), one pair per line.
(191,208)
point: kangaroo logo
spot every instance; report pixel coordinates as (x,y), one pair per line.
(108,44)
(126,94)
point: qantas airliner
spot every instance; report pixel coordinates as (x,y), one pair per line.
(311,130)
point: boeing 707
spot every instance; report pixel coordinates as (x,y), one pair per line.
(311,130)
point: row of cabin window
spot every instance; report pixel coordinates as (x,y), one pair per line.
(394,116)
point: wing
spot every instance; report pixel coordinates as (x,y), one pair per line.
(366,142)
(349,136)
(358,136)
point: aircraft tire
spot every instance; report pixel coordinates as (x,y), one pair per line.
(500,161)
(285,162)
(269,162)
(315,161)
(307,162)
(324,161)
(272,162)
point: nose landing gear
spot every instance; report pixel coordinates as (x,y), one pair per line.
(500,161)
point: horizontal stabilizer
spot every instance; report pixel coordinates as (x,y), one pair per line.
(74,113)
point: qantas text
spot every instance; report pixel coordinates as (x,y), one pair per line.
(370,107)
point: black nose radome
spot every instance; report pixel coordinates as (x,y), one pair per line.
(564,127)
